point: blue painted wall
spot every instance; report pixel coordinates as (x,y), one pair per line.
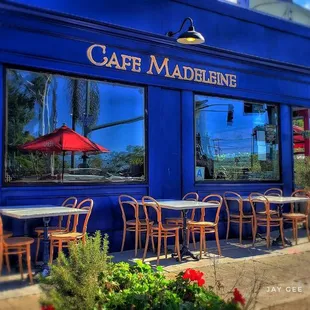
(273,67)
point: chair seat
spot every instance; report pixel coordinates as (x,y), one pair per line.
(40,230)
(17,241)
(71,235)
(201,224)
(166,227)
(133,222)
(291,216)
(244,215)
(7,234)
(272,212)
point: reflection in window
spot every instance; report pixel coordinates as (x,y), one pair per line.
(112,115)
(236,140)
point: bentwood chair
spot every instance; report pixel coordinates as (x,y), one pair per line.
(192,196)
(295,218)
(204,227)
(62,239)
(159,230)
(15,246)
(136,225)
(70,202)
(239,217)
(265,218)
(273,192)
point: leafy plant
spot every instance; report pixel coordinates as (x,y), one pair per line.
(88,280)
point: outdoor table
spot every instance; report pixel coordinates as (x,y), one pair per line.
(40,211)
(184,206)
(279,201)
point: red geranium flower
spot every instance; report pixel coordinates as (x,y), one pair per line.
(238,297)
(201,282)
(47,307)
(187,274)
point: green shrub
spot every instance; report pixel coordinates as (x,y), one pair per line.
(88,280)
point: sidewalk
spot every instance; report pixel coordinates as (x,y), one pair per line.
(276,279)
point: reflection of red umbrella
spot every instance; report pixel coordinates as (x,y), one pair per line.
(63,140)
(298,138)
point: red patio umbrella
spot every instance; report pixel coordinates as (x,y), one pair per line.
(63,140)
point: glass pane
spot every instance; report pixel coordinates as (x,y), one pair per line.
(109,114)
(236,140)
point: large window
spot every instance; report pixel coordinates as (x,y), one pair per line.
(236,140)
(109,114)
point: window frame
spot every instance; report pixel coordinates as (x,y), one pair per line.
(253,101)
(77,76)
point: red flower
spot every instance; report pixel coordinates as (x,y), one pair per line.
(201,282)
(187,274)
(238,297)
(47,307)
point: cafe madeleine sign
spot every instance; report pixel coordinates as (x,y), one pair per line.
(160,67)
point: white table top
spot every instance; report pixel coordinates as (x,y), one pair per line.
(276,199)
(32,212)
(182,204)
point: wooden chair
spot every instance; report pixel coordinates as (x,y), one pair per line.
(62,239)
(240,217)
(204,227)
(266,218)
(137,225)
(159,230)
(70,202)
(295,218)
(15,246)
(192,196)
(274,192)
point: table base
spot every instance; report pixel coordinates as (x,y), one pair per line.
(185,252)
(278,241)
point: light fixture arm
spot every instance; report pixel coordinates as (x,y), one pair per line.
(191,28)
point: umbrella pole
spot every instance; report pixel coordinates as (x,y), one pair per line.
(63,166)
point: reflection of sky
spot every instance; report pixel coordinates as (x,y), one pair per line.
(227,137)
(117,103)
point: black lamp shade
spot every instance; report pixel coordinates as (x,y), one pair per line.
(191,37)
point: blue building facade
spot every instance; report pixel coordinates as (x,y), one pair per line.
(255,58)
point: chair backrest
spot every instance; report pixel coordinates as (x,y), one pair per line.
(149,202)
(191,196)
(301,193)
(70,202)
(126,200)
(233,197)
(259,198)
(274,192)
(213,198)
(86,204)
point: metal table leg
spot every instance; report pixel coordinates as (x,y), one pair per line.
(45,267)
(278,240)
(185,250)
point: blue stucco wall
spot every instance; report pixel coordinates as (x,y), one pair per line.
(269,68)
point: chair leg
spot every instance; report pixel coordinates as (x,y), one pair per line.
(194,240)
(165,245)
(124,238)
(293,228)
(38,247)
(20,265)
(201,241)
(218,241)
(205,243)
(282,234)
(268,235)
(228,227)
(253,230)
(29,263)
(140,239)
(240,230)
(1,257)
(177,242)
(59,247)
(146,243)
(7,262)
(153,243)
(158,246)
(296,233)
(51,251)
(136,240)
(307,228)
